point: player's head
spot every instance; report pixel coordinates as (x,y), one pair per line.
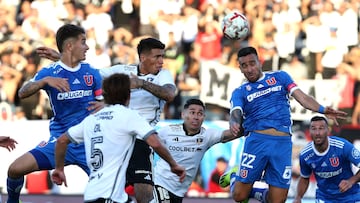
(72,37)
(151,55)
(193,115)
(319,130)
(116,89)
(249,63)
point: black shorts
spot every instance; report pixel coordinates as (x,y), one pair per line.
(140,164)
(163,195)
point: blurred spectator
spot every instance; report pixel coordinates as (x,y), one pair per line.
(219,170)
(100,21)
(10,81)
(268,53)
(348,26)
(315,44)
(296,68)
(334,53)
(345,78)
(100,59)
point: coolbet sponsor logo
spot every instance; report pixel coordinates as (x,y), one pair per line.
(255,95)
(74,94)
(329,174)
(184,149)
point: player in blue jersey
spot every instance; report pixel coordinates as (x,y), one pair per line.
(71,85)
(260,109)
(330,159)
(151,87)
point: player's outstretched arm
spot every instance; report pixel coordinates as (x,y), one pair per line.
(58,175)
(7,143)
(159,148)
(301,189)
(310,103)
(48,53)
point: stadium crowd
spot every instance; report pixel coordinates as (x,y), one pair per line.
(310,39)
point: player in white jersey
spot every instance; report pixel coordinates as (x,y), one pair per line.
(187,143)
(109,137)
(151,87)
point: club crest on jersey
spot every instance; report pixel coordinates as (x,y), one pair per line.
(89,80)
(271,81)
(42,144)
(244,173)
(334,161)
(199,140)
(248,87)
(355,153)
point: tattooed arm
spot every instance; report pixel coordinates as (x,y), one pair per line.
(32,87)
(236,120)
(166,92)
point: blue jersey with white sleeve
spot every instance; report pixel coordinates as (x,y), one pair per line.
(265,103)
(70,108)
(330,167)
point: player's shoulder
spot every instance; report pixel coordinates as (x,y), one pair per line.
(308,149)
(338,142)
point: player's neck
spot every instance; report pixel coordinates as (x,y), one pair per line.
(141,70)
(69,61)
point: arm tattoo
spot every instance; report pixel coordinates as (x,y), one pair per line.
(29,89)
(166,92)
(236,116)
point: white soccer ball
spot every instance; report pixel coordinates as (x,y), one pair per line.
(235,26)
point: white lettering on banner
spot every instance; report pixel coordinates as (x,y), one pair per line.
(218,81)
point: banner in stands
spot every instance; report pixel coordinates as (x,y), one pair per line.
(218,81)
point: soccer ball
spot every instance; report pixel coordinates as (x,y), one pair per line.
(235,26)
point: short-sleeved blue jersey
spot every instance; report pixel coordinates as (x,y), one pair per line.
(331,166)
(70,108)
(265,103)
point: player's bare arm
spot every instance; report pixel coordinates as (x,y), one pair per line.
(235,122)
(310,103)
(301,189)
(58,176)
(7,142)
(161,150)
(31,88)
(345,185)
(228,136)
(165,92)
(48,53)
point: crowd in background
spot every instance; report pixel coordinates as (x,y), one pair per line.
(310,39)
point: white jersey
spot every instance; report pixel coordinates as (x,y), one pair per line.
(187,152)
(147,105)
(109,138)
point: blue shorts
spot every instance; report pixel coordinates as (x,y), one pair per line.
(268,154)
(44,155)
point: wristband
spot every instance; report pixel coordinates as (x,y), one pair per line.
(321,109)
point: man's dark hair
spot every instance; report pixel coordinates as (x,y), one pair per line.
(65,32)
(147,44)
(193,101)
(116,89)
(319,118)
(246,51)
